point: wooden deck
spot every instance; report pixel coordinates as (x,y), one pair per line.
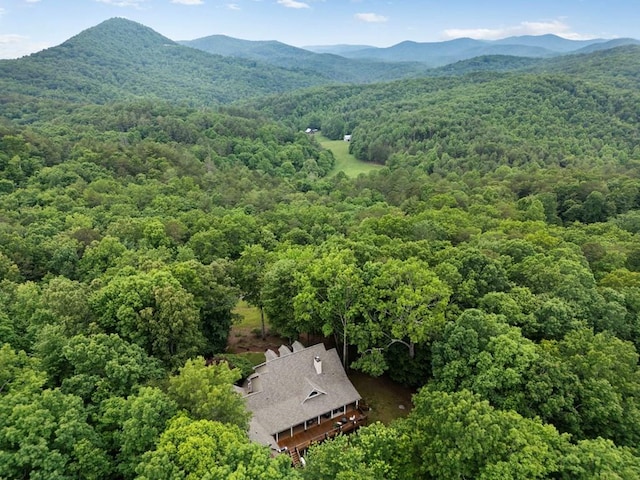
(300,441)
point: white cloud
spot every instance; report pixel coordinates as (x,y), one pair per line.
(555,27)
(123,3)
(15,46)
(9,38)
(188,2)
(32,1)
(233,6)
(370,17)
(293,4)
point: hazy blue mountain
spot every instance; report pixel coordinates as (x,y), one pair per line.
(508,49)
(438,54)
(549,41)
(336,49)
(433,53)
(120,59)
(333,66)
(443,53)
(234,47)
(618,42)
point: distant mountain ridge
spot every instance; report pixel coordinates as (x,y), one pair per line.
(352,64)
(333,66)
(437,54)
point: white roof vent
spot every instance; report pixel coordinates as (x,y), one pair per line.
(317,364)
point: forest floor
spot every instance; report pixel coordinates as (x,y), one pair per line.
(388,400)
(245,336)
(345,162)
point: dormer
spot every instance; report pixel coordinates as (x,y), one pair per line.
(314,392)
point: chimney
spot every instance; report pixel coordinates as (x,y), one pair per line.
(317,363)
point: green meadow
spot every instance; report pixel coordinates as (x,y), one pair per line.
(345,162)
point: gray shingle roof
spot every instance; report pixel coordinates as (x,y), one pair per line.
(284,397)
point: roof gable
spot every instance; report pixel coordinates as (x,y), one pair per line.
(314,391)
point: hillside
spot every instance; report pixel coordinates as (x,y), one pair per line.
(122,59)
(332,66)
(575,107)
(487,63)
(619,66)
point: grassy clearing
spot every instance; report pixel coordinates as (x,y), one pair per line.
(249,316)
(385,397)
(345,162)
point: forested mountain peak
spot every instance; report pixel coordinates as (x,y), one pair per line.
(229,46)
(123,59)
(118,35)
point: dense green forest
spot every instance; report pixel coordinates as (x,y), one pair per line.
(493,264)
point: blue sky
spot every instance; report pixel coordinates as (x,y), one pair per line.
(27,26)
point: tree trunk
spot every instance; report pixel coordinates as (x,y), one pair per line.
(264,332)
(344,347)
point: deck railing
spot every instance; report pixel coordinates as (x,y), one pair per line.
(328,429)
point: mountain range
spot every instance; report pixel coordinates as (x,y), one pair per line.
(120,59)
(332,65)
(437,54)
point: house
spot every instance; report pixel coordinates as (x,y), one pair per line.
(300,396)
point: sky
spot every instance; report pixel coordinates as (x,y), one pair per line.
(27,26)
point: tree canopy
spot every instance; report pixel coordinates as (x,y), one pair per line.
(491,263)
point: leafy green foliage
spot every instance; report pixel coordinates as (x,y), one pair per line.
(44,432)
(370,453)
(153,311)
(192,449)
(132,425)
(206,392)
